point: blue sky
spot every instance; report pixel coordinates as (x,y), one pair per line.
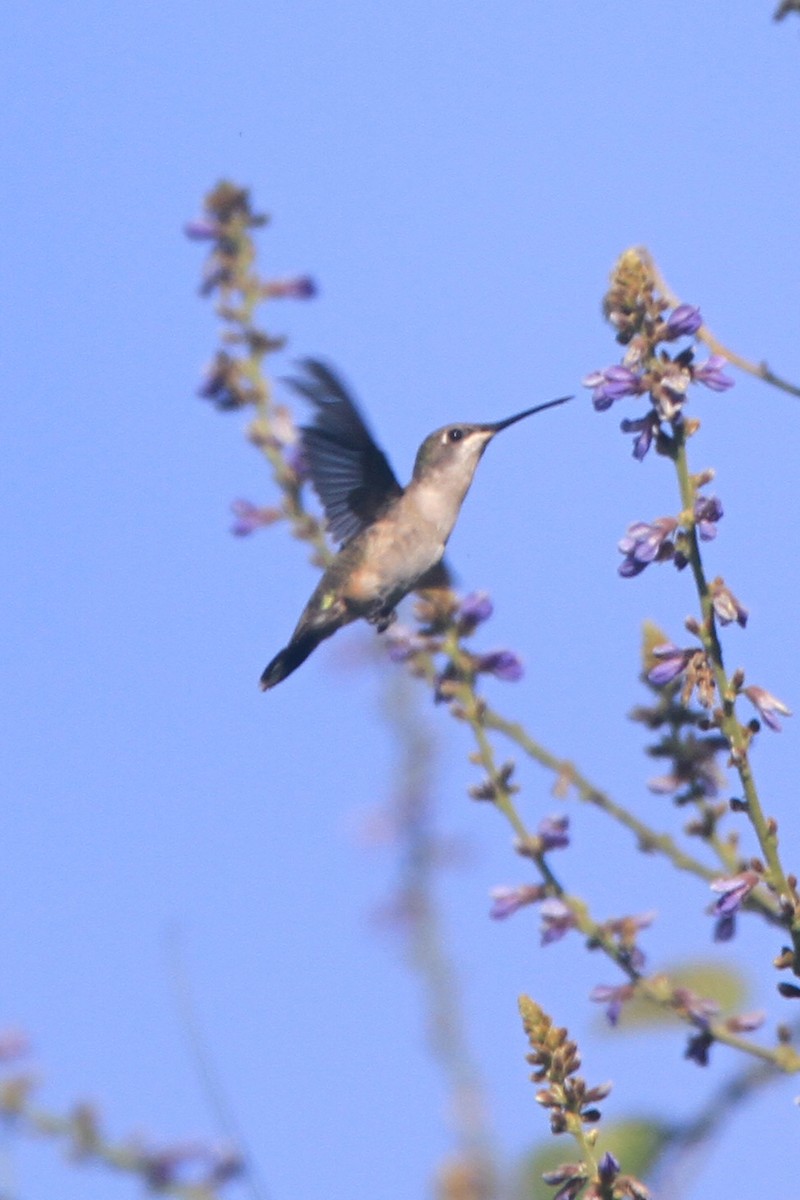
(459,179)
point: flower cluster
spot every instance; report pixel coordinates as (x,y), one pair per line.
(644,544)
(732,894)
(637,312)
(555,1059)
(227,216)
(465,615)
(197,1165)
(226,223)
(572,1106)
(249,517)
(614,997)
(769,707)
(666,539)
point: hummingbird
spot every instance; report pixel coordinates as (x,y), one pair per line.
(392,539)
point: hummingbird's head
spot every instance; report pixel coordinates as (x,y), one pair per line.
(455,450)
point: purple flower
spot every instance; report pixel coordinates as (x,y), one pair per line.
(727,608)
(607,1169)
(725,928)
(691,1005)
(14,1044)
(222,383)
(190,1165)
(671,662)
(297,459)
(646,428)
(403,643)
(202,229)
(683,321)
(746,1022)
(732,892)
(557,920)
(643,544)
(508,900)
(473,610)
(553,833)
(503,664)
(215,274)
(669,383)
(613,998)
(768,706)
(610,384)
(707,512)
(694,768)
(296,287)
(698,1046)
(249,517)
(571,1176)
(711,373)
(567,1171)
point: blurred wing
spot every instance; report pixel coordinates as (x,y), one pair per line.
(350,473)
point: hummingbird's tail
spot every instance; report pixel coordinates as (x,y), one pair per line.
(290,658)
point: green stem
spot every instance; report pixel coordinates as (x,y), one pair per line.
(738,737)
(648,839)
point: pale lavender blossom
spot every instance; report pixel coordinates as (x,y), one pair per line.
(613,998)
(746,1022)
(14,1044)
(557,920)
(644,544)
(503,664)
(553,832)
(295,287)
(202,229)
(473,610)
(297,460)
(699,1008)
(683,321)
(404,643)
(612,383)
(249,517)
(769,706)
(727,608)
(733,892)
(672,660)
(646,428)
(707,512)
(711,373)
(508,900)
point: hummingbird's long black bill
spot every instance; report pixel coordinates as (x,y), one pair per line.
(527,413)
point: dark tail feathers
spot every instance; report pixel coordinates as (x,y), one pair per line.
(290,658)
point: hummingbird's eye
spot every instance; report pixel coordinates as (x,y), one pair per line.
(455,435)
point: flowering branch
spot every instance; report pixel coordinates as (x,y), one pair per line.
(636,305)
(573,1109)
(704,334)
(235,381)
(191,1170)
(438,652)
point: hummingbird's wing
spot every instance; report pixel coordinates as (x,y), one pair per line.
(350,473)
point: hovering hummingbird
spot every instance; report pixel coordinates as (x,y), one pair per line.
(392,538)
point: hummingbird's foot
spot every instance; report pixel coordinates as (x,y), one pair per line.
(382,618)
